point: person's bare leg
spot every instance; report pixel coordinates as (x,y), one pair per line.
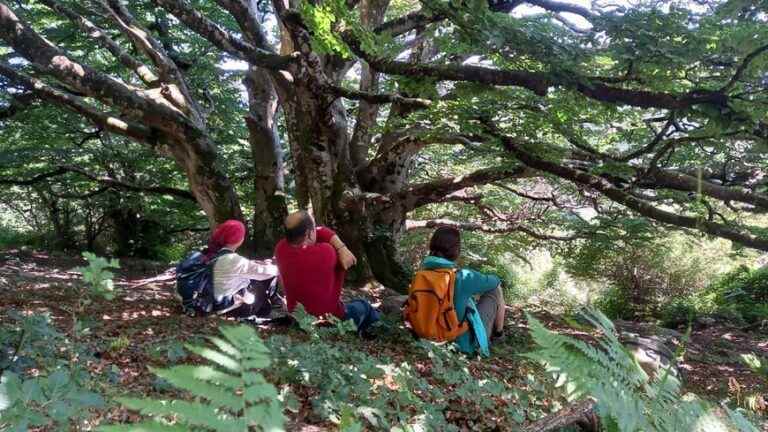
(498,324)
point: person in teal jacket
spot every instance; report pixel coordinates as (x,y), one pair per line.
(486,315)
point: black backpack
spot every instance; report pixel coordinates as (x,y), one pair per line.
(194,283)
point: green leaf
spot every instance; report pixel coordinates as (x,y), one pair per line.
(183,378)
(217,357)
(149,426)
(10,389)
(191,413)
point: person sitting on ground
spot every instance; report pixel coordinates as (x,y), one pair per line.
(486,315)
(312,262)
(241,287)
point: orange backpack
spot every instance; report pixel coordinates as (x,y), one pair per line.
(429,310)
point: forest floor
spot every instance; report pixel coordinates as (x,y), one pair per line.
(143,327)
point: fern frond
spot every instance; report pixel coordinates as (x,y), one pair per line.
(210,375)
(217,357)
(226,347)
(627,399)
(238,399)
(268,416)
(247,340)
(184,379)
(190,413)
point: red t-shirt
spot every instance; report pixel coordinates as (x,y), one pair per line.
(311,275)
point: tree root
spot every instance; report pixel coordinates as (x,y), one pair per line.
(581,413)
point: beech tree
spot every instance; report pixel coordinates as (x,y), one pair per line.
(657,109)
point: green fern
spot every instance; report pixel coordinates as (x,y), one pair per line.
(627,399)
(230,396)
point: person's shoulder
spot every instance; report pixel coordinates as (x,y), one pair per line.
(231,257)
(324,249)
(471,273)
(281,245)
(463,272)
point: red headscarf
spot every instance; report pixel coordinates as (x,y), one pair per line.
(228,233)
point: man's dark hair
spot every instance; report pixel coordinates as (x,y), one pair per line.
(445,243)
(298,231)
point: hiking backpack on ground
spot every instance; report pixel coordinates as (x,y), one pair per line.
(194,283)
(430,309)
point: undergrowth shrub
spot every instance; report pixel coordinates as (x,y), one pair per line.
(230,395)
(350,384)
(644,269)
(434,389)
(743,291)
(97,276)
(12,238)
(739,296)
(679,312)
(613,303)
(627,399)
(40,384)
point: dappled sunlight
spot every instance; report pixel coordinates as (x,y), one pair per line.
(140,327)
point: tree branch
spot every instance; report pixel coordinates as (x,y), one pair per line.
(140,69)
(559,7)
(17,103)
(743,67)
(242,11)
(143,41)
(74,103)
(417,195)
(378,98)
(538,82)
(84,196)
(581,413)
(414,225)
(83,78)
(120,184)
(516,148)
(667,179)
(107,181)
(33,180)
(220,38)
(421,18)
(408,22)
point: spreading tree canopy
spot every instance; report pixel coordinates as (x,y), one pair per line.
(526,113)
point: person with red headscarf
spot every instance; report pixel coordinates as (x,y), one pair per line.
(240,285)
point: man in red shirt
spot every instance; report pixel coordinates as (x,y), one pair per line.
(313,262)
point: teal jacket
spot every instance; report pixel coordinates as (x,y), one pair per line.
(468,283)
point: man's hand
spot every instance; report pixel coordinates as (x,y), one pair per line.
(346,258)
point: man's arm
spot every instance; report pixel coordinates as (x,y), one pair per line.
(346,258)
(324,235)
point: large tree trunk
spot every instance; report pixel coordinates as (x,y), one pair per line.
(317,126)
(269,183)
